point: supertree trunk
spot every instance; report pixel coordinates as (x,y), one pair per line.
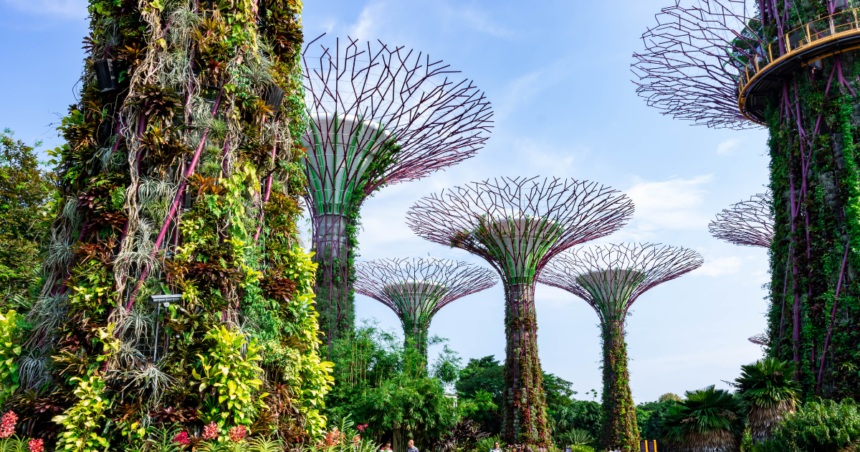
(335,296)
(524,418)
(619,430)
(416,337)
(814,175)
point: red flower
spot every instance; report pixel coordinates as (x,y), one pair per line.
(210,431)
(36,445)
(182,438)
(238,433)
(7,424)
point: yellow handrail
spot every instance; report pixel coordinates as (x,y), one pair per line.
(809,38)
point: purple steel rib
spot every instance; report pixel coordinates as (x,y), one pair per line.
(832,318)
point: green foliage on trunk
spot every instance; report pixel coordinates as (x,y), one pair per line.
(808,248)
(620,430)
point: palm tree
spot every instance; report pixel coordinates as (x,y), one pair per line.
(771,391)
(708,420)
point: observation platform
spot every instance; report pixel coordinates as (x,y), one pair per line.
(804,46)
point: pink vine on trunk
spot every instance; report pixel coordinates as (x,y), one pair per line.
(174,205)
(832,319)
(268,188)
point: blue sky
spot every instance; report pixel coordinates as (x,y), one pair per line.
(557,74)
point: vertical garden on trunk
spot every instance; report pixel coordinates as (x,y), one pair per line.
(176,293)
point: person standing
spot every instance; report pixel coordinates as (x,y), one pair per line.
(386,448)
(496,447)
(412,447)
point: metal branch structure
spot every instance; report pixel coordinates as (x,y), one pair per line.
(792,67)
(517,225)
(416,289)
(759,339)
(379,115)
(610,278)
(686,70)
(747,223)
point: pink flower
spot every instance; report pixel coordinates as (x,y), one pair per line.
(36,445)
(182,438)
(361,427)
(238,433)
(210,431)
(7,424)
(356,439)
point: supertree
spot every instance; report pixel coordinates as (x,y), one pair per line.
(417,289)
(175,274)
(610,278)
(379,115)
(747,223)
(791,67)
(517,225)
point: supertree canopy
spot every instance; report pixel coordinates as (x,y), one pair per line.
(517,225)
(792,67)
(611,278)
(747,223)
(417,289)
(379,115)
(177,296)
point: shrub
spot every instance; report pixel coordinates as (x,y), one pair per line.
(822,427)
(581,449)
(9,352)
(708,419)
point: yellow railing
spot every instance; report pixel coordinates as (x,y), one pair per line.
(825,29)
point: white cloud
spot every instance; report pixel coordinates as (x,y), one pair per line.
(720,266)
(366,26)
(728,147)
(475,19)
(671,204)
(525,88)
(72,9)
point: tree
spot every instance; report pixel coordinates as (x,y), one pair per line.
(708,419)
(579,415)
(381,383)
(669,396)
(650,416)
(481,383)
(26,192)
(771,392)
